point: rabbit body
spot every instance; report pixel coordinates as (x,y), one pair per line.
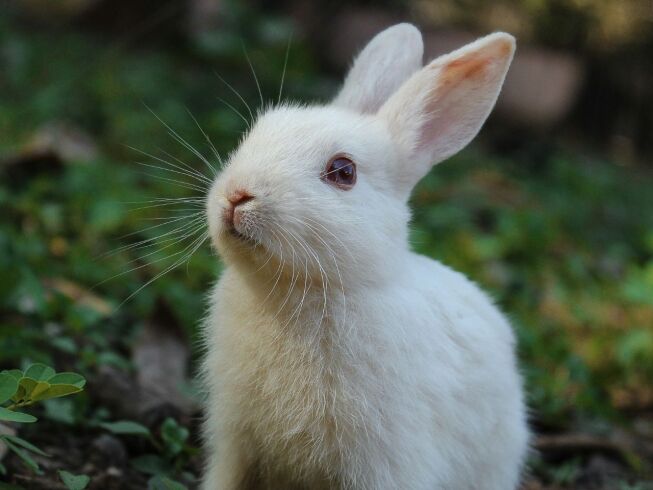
(418,391)
(336,357)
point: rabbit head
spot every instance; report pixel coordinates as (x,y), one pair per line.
(324,189)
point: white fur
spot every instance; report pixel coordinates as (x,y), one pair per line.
(337,358)
(386,62)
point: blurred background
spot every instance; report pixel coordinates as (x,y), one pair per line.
(550,210)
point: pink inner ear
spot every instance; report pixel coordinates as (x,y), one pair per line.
(457,81)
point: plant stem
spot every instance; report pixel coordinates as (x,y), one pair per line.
(14,406)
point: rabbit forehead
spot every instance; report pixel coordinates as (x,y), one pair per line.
(302,137)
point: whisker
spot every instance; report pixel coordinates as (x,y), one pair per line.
(269,257)
(204,181)
(184,164)
(181,140)
(181,210)
(334,236)
(197,244)
(279,272)
(172,241)
(138,232)
(186,169)
(196,229)
(251,67)
(307,284)
(323,275)
(151,241)
(335,261)
(292,280)
(283,72)
(199,205)
(208,140)
(238,113)
(186,185)
(249,109)
(193,207)
(171,200)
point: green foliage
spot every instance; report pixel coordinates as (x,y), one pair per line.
(22,449)
(39,382)
(21,389)
(174,437)
(74,482)
(7,486)
(173,453)
(150,464)
(8,386)
(126,427)
(635,486)
(12,416)
(159,482)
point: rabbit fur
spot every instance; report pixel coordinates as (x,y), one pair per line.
(336,357)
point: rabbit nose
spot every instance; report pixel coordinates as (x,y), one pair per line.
(239,197)
(235,199)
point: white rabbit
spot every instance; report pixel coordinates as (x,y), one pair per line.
(337,358)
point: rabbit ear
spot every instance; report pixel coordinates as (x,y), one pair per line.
(440,109)
(386,62)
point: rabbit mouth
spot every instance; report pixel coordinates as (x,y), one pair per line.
(239,235)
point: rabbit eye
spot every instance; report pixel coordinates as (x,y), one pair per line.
(341,172)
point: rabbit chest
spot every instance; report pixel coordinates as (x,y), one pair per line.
(308,393)
(303,399)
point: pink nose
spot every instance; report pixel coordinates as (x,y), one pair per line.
(235,199)
(239,197)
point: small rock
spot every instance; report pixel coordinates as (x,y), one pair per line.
(161,355)
(204,15)
(541,87)
(113,471)
(601,470)
(69,143)
(117,390)
(111,449)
